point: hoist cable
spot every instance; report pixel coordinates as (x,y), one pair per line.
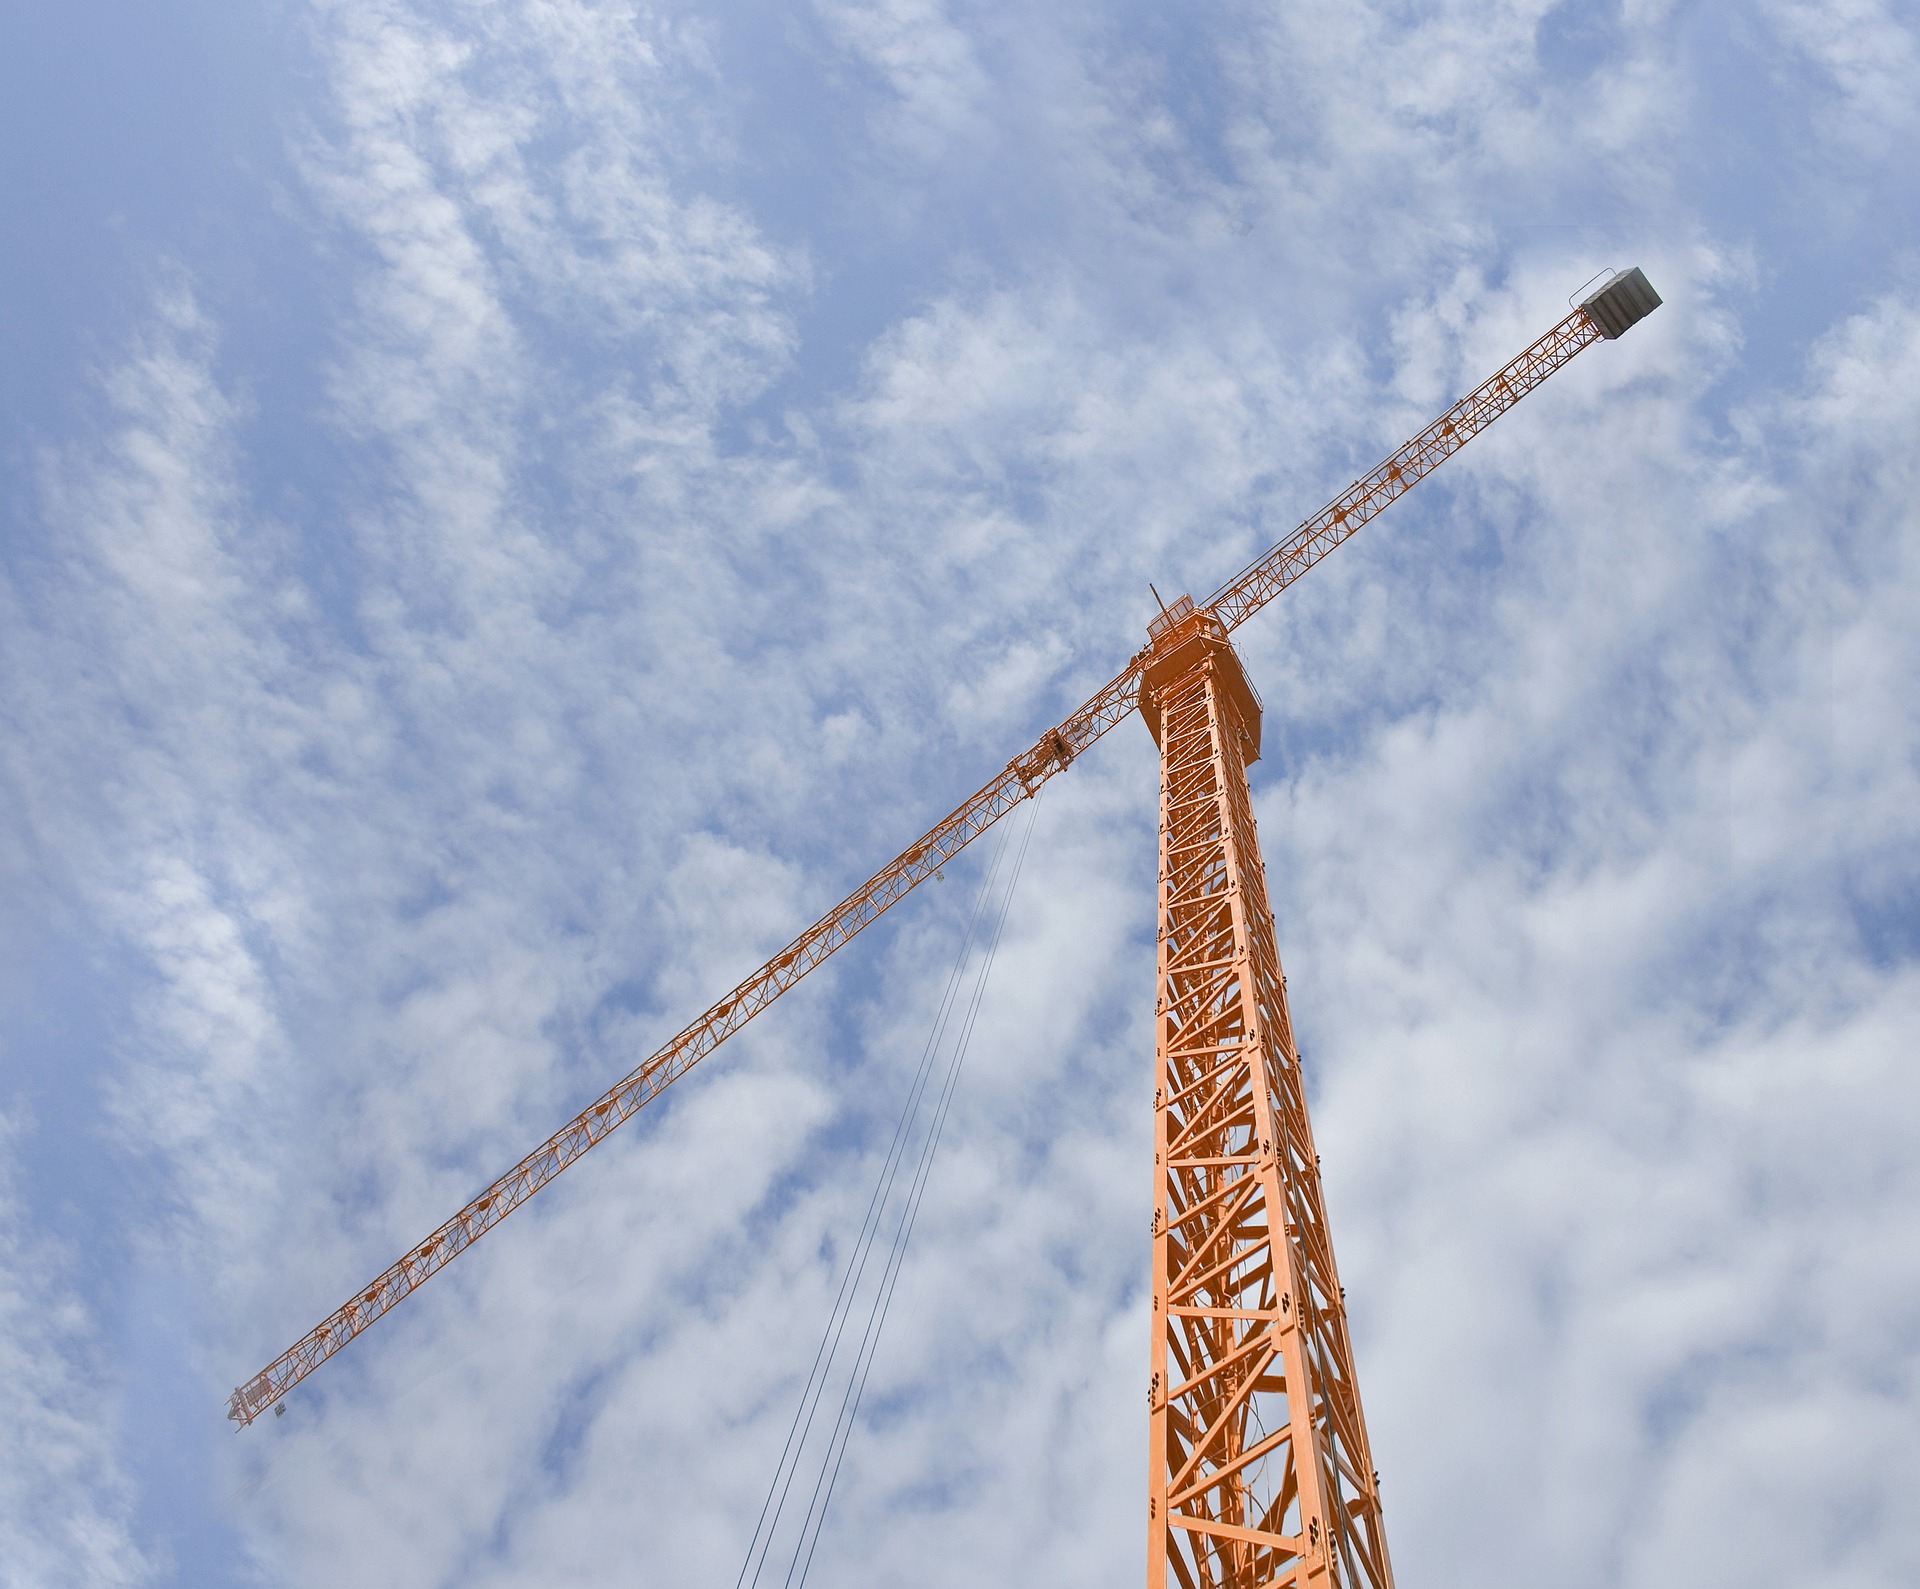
(883,1299)
(799,1430)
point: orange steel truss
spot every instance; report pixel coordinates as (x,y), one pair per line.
(1261,1472)
(1260,1469)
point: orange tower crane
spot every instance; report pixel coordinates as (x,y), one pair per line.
(1261,1473)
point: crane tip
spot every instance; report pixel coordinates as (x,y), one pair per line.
(1623,301)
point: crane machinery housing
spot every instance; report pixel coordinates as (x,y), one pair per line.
(1260,1469)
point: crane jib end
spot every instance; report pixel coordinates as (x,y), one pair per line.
(1624,301)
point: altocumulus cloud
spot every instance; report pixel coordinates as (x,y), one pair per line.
(714,440)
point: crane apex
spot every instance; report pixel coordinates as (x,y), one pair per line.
(1184,638)
(1626,300)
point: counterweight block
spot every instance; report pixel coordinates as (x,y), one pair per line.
(1626,300)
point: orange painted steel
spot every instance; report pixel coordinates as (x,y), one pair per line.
(1021,778)
(1260,1469)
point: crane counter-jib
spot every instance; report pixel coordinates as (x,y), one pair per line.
(1624,299)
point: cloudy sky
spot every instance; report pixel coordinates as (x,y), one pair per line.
(512,508)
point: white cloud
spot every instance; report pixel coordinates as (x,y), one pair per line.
(65,1503)
(1588,771)
(1868,56)
(931,67)
(1600,1018)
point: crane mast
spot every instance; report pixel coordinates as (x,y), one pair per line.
(1262,1474)
(1261,1471)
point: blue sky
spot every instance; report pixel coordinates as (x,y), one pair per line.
(510,509)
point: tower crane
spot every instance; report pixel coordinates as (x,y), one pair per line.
(1261,1472)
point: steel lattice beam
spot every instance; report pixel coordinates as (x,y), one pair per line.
(1260,1468)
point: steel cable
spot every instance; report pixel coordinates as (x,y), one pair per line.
(798,1432)
(883,1299)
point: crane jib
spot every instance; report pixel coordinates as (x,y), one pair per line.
(1624,299)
